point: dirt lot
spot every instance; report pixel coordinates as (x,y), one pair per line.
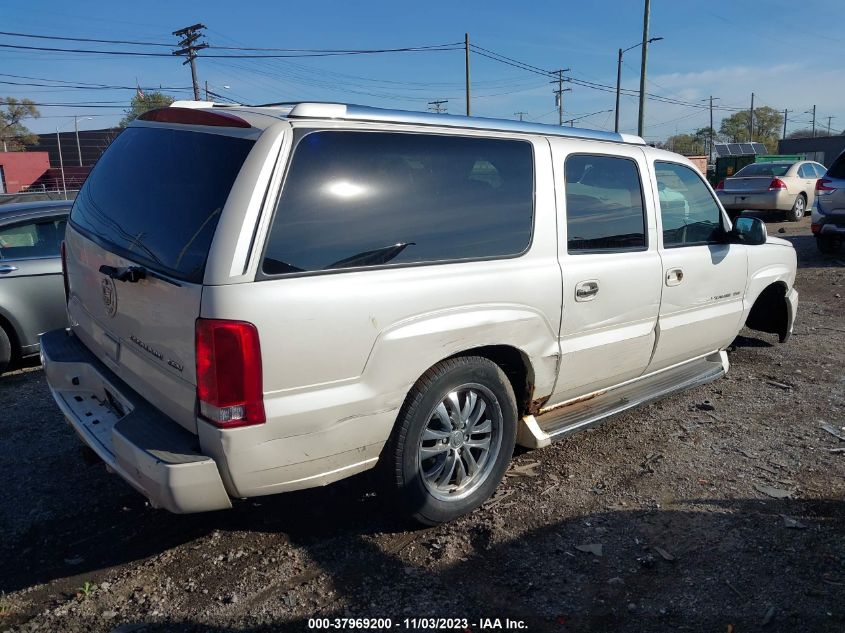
(662,519)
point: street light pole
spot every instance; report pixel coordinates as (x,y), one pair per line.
(61,161)
(619,73)
(78,146)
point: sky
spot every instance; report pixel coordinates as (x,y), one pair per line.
(728,49)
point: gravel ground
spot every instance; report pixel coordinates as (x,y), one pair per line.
(719,509)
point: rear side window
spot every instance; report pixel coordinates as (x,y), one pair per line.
(820,170)
(807,171)
(604,204)
(357,199)
(690,214)
(156,194)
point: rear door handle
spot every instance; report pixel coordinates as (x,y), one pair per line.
(674,277)
(586,290)
(6,268)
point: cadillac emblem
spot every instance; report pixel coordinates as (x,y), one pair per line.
(109,296)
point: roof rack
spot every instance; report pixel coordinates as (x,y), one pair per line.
(350,112)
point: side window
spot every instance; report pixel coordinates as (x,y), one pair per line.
(690,214)
(604,204)
(820,170)
(356,199)
(806,171)
(31,240)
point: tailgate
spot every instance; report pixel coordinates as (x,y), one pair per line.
(136,247)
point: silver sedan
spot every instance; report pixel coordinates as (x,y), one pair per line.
(32,296)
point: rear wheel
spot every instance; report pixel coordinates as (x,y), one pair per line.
(5,350)
(799,208)
(453,440)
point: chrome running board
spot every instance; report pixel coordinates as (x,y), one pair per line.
(570,417)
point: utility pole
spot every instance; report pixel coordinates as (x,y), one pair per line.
(641,120)
(710,151)
(188,48)
(438,105)
(466,55)
(520,114)
(814,121)
(559,93)
(828,124)
(206,89)
(618,88)
(785,112)
(751,120)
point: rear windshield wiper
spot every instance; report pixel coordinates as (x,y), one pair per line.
(132,274)
(372,258)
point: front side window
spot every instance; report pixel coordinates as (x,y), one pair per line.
(690,214)
(604,204)
(359,199)
(32,240)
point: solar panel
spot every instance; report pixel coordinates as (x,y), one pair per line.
(722,149)
(759,148)
(748,148)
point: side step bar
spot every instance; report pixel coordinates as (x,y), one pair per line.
(573,416)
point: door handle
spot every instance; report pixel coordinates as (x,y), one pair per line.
(6,268)
(674,277)
(586,290)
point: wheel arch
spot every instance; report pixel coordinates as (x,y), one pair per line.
(12,332)
(516,365)
(771,311)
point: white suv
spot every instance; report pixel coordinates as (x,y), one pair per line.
(270,298)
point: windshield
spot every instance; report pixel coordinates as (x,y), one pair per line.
(156,195)
(764,169)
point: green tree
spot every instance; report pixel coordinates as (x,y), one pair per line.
(14,134)
(767,126)
(142,102)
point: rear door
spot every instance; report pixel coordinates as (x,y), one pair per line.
(139,235)
(704,277)
(807,176)
(31,292)
(610,265)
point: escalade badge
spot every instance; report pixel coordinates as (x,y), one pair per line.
(109,296)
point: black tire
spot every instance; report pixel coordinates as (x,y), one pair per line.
(799,208)
(404,467)
(5,350)
(828,244)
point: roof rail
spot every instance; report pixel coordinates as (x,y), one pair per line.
(352,112)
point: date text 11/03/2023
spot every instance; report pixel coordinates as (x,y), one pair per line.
(434,624)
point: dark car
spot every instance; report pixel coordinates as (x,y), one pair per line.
(32,298)
(828,222)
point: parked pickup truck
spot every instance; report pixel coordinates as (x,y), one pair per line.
(269,298)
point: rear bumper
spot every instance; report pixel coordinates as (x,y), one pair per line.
(152,453)
(765,201)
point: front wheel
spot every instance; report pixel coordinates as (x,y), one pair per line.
(453,439)
(799,208)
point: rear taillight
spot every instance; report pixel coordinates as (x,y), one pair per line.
(64,272)
(776,184)
(229,380)
(816,228)
(720,186)
(823,187)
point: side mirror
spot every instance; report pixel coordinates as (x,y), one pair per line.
(749,231)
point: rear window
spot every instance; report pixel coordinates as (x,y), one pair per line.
(837,169)
(359,199)
(764,169)
(156,194)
